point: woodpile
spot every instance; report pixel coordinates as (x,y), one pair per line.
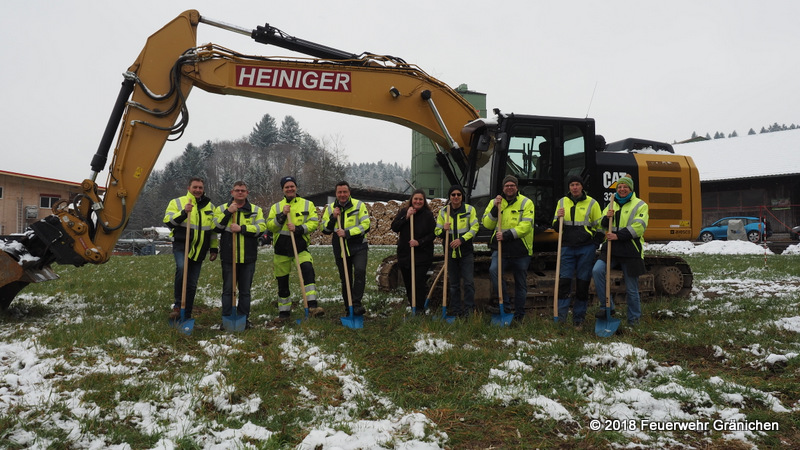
(381,215)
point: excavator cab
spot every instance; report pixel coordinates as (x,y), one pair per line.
(542,152)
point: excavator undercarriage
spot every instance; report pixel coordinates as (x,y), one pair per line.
(667,276)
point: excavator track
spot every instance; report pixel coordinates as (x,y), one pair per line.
(667,276)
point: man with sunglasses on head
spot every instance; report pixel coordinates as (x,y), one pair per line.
(463,225)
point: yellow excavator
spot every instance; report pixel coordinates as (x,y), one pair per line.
(542,152)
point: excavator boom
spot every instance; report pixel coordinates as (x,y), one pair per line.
(542,152)
(151,107)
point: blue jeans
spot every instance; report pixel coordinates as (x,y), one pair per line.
(519,267)
(192,275)
(576,262)
(244,280)
(357,271)
(631,289)
(461,270)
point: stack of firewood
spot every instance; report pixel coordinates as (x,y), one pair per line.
(380,215)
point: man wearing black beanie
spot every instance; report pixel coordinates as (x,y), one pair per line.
(581,215)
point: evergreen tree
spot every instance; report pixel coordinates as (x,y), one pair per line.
(751,132)
(733,134)
(694,134)
(264,134)
(290,132)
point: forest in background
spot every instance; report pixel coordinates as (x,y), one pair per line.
(261,159)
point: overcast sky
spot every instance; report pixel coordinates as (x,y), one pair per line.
(656,70)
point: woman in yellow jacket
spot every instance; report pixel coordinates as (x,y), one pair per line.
(625,220)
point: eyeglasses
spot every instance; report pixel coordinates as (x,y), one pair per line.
(455,194)
(509,185)
(240,190)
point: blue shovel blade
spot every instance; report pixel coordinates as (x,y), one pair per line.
(353,321)
(502,319)
(606,327)
(234,322)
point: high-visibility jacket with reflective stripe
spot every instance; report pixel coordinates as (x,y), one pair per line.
(464,225)
(517,218)
(251,218)
(581,220)
(630,223)
(303,214)
(355,222)
(202,237)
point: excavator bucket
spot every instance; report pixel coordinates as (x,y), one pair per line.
(10,270)
(18,268)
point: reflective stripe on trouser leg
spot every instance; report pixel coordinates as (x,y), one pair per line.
(309,279)
(285,298)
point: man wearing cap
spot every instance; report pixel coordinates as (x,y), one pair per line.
(463,225)
(293,216)
(516,238)
(581,215)
(625,220)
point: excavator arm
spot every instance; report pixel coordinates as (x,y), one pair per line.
(151,107)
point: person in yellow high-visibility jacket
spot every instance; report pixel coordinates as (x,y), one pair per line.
(239,223)
(304,221)
(463,226)
(516,213)
(625,220)
(579,239)
(353,232)
(198,210)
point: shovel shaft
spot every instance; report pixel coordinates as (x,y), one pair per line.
(344,265)
(233,272)
(186,261)
(413,269)
(297,264)
(558,268)
(445,287)
(499,256)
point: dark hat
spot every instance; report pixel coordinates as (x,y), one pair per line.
(454,188)
(510,178)
(573,178)
(286,179)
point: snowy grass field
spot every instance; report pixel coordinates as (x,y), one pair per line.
(89,361)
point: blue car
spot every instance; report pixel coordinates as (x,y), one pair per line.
(753,227)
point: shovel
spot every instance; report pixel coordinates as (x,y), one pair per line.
(445,287)
(433,286)
(503,318)
(558,269)
(234,322)
(413,274)
(183,324)
(608,326)
(352,320)
(299,272)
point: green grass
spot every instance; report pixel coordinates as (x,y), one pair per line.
(106,328)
